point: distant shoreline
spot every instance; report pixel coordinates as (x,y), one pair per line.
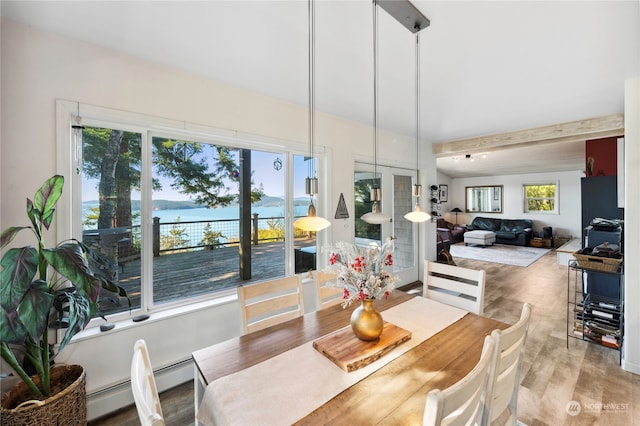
(158,205)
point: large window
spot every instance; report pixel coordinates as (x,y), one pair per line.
(179,216)
(541,198)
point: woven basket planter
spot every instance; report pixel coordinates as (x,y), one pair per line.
(67,407)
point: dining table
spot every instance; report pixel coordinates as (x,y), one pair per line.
(276,376)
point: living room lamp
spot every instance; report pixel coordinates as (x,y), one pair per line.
(311,222)
(375,216)
(456,210)
(417,215)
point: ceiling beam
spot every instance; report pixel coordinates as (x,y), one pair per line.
(573,131)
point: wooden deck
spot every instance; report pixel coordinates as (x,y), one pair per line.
(187,274)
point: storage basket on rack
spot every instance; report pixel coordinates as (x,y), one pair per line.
(607,264)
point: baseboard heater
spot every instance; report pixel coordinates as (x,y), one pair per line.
(114,397)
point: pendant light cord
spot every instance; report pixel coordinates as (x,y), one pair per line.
(418,107)
(312,36)
(375,91)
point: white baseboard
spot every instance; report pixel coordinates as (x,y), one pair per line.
(118,396)
(630,367)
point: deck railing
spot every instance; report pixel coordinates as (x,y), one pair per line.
(202,234)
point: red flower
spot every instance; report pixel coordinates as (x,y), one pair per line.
(362,296)
(345,294)
(386,294)
(358,264)
(388,260)
(333,258)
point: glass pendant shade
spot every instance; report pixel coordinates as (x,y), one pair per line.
(375,216)
(311,222)
(417,215)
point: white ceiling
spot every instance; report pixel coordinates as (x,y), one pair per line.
(486,67)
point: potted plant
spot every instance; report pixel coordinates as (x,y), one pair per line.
(43,288)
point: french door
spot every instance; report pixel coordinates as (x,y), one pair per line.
(397,192)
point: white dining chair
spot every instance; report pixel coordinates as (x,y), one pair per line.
(270,302)
(504,374)
(143,386)
(327,295)
(454,285)
(463,403)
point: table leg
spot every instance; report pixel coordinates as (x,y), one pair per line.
(198,391)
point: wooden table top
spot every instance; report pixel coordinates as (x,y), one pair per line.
(394,394)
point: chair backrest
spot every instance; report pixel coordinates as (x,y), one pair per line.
(143,385)
(463,403)
(327,295)
(270,302)
(454,285)
(504,375)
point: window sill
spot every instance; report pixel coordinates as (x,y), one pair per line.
(125,324)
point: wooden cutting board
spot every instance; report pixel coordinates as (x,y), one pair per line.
(350,353)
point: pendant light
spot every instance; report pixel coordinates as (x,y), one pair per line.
(417,215)
(375,217)
(311,222)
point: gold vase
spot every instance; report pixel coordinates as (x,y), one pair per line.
(366,322)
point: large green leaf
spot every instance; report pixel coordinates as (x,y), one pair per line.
(9,234)
(11,329)
(47,218)
(69,261)
(46,198)
(19,266)
(79,311)
(34,216)
(34,308)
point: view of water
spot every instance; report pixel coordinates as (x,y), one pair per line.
(227,229)
(186,215)
(201,213)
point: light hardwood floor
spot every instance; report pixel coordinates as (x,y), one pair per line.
(552,375)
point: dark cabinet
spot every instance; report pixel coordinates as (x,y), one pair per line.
(600,199)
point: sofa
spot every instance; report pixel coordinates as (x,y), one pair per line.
(451,232)
(508,231)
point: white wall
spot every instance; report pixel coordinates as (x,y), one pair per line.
(445,208)
(631,355)
(39,67)
(566,222)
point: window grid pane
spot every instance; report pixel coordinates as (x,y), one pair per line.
(110,212)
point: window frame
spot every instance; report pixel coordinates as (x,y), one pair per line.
(69,224)
(556,198)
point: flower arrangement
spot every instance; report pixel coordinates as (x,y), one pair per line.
(362,271)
